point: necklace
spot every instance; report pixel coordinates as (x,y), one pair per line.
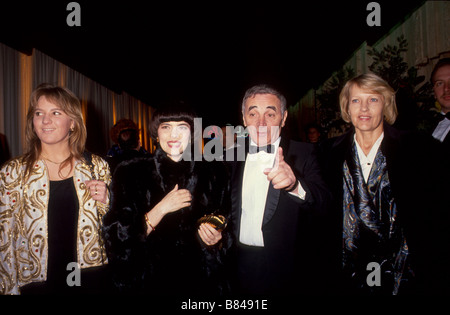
(57,163)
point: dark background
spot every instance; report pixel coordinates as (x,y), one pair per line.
(208,53)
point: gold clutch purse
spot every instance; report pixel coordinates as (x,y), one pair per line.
(216,221)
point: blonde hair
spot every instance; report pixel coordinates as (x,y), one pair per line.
(71,106)
(374,84)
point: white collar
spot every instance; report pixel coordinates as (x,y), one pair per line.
(373,151)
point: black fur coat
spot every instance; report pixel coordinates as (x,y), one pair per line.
(172,259)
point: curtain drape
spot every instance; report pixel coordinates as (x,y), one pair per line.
(102,108)
(427,31)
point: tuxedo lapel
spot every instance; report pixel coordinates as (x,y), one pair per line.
(236,193)
(447,140)
(237,178)
(273,195)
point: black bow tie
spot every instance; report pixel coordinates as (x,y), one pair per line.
(254,149)
(442,116)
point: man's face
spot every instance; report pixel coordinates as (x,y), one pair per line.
(441,87)
(313,135)
(263,118)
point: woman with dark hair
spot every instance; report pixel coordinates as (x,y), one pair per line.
(153,239)
(52,200)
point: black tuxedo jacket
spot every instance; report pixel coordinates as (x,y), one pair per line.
(291,226)
(446,143)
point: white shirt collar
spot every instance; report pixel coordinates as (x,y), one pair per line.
(366,162)
(373,150)
(442,129)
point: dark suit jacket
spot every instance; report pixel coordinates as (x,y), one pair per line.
(446,145)
(447,139)
(291,226)
(432,126)
(417,186)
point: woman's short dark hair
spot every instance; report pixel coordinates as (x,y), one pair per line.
(172,111)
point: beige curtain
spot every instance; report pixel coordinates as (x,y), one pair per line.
(102,108)
(427,31)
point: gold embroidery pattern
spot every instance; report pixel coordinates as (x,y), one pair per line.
(94,253)
(23,222)
(9,201)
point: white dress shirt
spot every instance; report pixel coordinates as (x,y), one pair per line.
(367,161)
(254,194)
(442,129)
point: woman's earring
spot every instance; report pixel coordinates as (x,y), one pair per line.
(157,139)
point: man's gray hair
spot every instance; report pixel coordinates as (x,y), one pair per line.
(264,89)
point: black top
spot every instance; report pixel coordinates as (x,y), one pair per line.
(62,231)
(62,235)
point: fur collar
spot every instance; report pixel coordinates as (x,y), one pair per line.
(171,173)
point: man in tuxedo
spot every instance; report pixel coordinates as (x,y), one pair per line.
(278,201)
(440,79)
